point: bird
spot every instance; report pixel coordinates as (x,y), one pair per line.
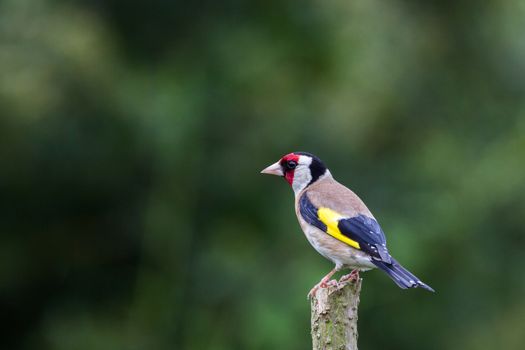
(337,223)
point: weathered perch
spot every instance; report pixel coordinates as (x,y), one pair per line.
(334,316)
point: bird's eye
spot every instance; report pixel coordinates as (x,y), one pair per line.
(291,164)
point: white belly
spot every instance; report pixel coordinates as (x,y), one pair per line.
(332,249)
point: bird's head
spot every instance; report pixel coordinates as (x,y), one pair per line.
(300,169)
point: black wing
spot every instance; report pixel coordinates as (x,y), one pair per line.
(367,232)
(361,229)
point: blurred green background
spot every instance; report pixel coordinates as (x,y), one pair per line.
(132,133)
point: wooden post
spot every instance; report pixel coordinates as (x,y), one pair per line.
(334,316)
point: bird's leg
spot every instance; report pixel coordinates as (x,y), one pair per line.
(324,281)
(352,276)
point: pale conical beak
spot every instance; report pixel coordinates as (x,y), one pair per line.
(274,169)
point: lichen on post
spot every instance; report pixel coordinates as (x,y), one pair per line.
(334,316)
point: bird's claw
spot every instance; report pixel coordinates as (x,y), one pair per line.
(352,276)
(322,284)
(312,292)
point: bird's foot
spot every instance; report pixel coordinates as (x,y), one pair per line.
(325,282)
(312,292)
(322,284)
(352,276)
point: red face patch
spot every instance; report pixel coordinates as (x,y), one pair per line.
(287,163)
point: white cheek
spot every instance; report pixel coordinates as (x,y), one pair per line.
(302,177)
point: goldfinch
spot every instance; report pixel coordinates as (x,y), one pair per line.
(337,223)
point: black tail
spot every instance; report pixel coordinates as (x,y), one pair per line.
(403,278)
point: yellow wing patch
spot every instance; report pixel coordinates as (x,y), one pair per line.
(331,219)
